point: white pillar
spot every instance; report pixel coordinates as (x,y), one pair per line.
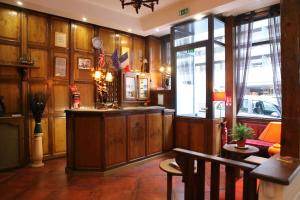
(274,191)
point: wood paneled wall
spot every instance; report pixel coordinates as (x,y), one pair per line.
(33,33)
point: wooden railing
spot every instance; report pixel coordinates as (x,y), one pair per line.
(194,176)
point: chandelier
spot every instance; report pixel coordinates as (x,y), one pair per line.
(138,3)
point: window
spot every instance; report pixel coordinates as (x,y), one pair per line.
(260,98)
(199,51)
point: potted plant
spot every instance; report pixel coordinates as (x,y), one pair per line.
(37,106)
(241,133)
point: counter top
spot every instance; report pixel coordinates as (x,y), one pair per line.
(118,110)
(277,170)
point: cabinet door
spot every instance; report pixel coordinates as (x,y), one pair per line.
(168,132)
(154,136)
(115,140)
(136,136)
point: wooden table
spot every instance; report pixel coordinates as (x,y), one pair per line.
(171,171)
(239,154)
(232,152)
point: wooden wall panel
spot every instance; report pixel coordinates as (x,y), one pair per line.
(39,87)
(138,52)
(12,98)
(86,95)
(28,32)
(83,35)
(109,40)
(197,136)
(60,97)
(41,60)
(153,53)
(182,133)
(37,30)
(44,125)
(9,54)
(10,24)
(59,26)
(82,74)
(59,135)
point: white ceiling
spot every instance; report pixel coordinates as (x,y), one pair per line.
(109,13)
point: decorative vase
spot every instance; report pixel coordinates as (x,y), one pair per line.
(241,143)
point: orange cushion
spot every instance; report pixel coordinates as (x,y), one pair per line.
(274,149)
(271,133)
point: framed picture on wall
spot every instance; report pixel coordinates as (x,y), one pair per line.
(60,40)
(84,63)
(60,67)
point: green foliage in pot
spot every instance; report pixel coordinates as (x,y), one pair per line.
(242,132)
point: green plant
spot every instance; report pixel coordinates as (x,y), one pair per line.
(242,132)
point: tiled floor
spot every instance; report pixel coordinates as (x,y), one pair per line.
(141,182)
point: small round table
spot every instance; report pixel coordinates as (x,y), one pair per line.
(171,171)
(233,152)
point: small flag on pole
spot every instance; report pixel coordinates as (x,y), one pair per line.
(124,61)
(115,59)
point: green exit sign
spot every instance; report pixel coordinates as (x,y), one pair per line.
(183,12)
(190,51)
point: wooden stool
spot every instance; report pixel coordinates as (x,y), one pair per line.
(171,171)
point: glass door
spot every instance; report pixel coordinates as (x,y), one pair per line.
(191,82)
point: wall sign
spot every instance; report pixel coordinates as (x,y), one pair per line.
(183,12)
(60,67)
(60,40)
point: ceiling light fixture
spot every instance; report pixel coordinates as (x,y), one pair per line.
(84,19)
(130,30)
(198,16)
(157,29)
(137,4)
(19,3)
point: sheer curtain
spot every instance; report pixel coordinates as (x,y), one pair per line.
(184,78)
(243,53)
(274,35)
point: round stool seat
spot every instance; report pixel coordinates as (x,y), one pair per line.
(172,169)
(274,149)
(170,166)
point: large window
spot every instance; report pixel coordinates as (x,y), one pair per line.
(261,92)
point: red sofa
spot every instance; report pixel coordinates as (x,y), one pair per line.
(263,139)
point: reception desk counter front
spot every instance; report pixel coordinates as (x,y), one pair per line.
(100,140)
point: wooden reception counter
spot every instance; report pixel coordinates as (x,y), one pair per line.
(100,140)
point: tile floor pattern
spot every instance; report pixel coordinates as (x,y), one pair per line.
(140,182)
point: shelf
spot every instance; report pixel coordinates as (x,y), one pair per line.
(16,65)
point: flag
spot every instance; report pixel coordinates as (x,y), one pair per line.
(124,61)
(115,59)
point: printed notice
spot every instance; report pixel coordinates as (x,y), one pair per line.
(60,39)
(60,66)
